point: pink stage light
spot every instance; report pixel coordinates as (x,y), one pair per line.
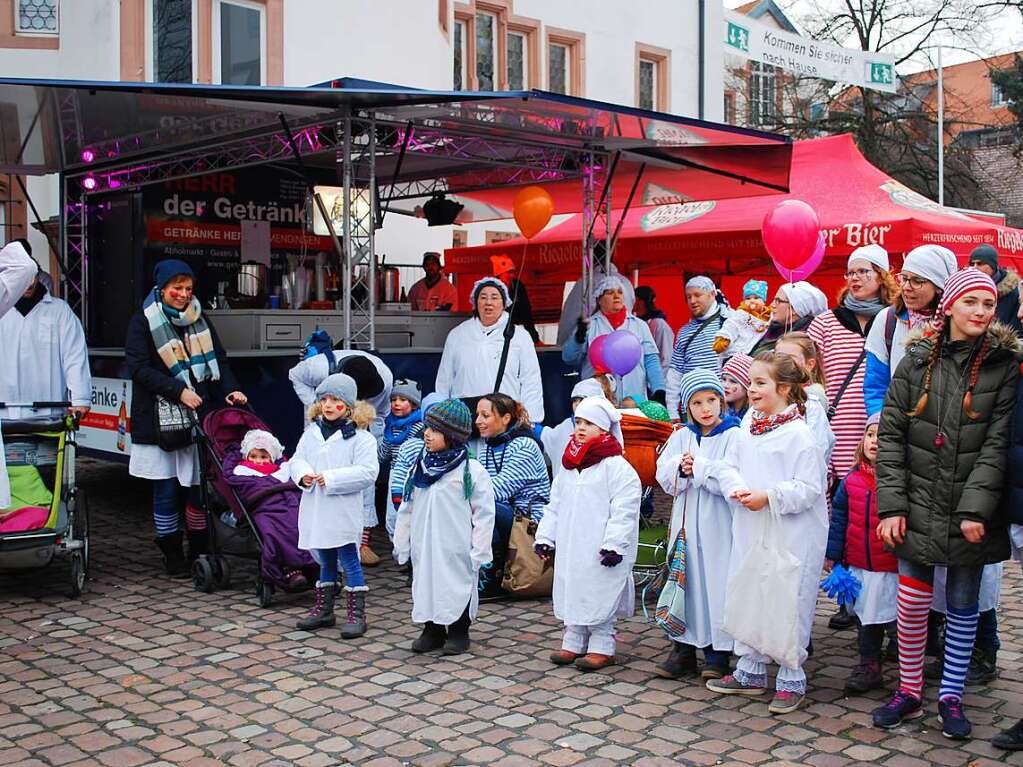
(88,155)
(89,183)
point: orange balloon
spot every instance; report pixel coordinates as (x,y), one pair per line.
(533,209)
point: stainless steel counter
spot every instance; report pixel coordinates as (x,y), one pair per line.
(266,329)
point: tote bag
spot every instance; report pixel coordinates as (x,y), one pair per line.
(671,604)
(526,574)
(762,597)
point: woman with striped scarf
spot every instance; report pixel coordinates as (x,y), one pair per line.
(172,352)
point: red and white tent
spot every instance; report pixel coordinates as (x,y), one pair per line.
(856,202)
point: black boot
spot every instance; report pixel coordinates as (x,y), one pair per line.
(935,634)
(1011,739)
(173,550)
(842,620)
(198,543)
(679,663)
(458,636)
(322,614)
(355,609)
(432,638)
(983,666)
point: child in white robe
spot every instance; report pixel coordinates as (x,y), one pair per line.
(776,468)
(710,432)
(445,525)
(592,523)
(555,439)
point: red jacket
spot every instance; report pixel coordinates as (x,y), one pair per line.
(851,537)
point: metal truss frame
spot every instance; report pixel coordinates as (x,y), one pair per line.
(355,140)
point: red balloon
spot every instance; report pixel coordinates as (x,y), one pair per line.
(791,232)
(596,354)
(533,208)
(803,271)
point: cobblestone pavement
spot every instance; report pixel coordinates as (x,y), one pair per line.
(144,670)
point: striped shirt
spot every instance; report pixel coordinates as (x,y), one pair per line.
(700,352)
(386,451)
(404,459)
(840,348)
(519,475)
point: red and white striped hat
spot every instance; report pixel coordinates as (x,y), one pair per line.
(957,286)
(737,367)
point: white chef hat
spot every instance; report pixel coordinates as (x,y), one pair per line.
(257,439)
(805,299)
(601,412)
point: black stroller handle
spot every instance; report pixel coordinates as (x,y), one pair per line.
(36,405)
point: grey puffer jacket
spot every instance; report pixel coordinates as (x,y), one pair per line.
(936,488)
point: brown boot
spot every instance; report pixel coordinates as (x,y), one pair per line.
(563,657)
(594,662)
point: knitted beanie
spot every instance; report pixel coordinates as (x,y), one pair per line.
(737,367)
(932,262)
(452,419)
(489,282)
(409,389)
(339,386)
(168,269)
(957,286)
(696,381)
(986,254)
(755,288)
(258,439)
(873,420)
(873,254)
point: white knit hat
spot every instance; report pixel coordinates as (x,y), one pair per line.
(601,412)
(875,254)
(258,439)
(588,387)
(932,262)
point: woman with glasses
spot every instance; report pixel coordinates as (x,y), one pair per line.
(922,279)
(792,310)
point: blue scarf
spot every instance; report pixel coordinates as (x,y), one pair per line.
(432,466)
(329,428)
(397,430)
(729,421)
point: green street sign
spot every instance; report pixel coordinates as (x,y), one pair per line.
(738,37)
(881,73)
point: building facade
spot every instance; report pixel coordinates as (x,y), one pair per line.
(668,58)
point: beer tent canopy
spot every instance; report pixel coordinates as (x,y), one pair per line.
(857,203)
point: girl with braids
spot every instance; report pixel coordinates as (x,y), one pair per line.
(776,467)
(940,473)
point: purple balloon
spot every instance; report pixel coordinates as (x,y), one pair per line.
(622,352)
(808,268)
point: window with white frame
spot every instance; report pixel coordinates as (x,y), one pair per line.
(37,17)
(518,61)
(461,74)
(239,43)
(559,68)
(486,52)
(170,52)
(998,96)
(647,84)
(763,94)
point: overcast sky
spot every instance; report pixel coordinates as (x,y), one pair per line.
(1003,35)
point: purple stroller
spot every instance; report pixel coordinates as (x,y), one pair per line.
(265,519)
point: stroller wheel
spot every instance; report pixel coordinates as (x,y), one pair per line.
(264,593)
(77,575)
(221,572)
(80,557)
(202,575)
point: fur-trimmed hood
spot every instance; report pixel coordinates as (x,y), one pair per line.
(1002,340)
(1008,283)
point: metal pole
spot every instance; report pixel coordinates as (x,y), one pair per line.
(346,210)
(941,132)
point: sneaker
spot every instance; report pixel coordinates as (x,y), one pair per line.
(842,620)
(1011,739)
(865,677)
(954,723)
(729,685)
(983,667)
(901,707)
(785,702)
(714,671)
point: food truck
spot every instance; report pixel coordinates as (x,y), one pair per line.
(273,196)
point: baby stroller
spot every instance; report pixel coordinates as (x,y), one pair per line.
(221,429)
(48,514)
(644,441)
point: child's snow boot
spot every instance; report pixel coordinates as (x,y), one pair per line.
(865,677)
(355,607)
(680,662)
(458,635)
(432,638)
(322,614)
